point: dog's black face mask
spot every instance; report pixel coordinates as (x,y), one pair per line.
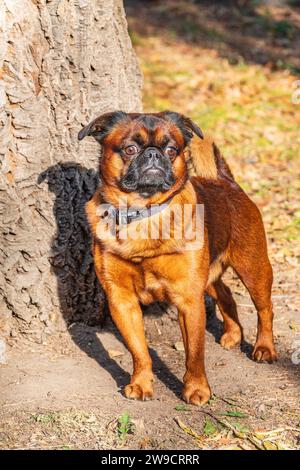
(143,153)
(148,173)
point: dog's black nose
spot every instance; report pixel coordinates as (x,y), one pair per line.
(152,154)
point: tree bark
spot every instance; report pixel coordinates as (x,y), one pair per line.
(62,63)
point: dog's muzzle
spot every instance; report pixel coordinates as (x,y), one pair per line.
(153,162)
(148,173)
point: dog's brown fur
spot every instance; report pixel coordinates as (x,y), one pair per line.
(134,271)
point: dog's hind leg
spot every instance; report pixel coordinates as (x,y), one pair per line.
(256,275)
(233,333)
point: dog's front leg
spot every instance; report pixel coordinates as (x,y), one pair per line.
(192,322)
(127,315)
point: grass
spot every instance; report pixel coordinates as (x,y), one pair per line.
(125,425)
(246,100)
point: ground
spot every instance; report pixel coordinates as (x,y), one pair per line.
(71,398)
(233,71)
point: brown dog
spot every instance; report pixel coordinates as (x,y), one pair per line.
(164,160)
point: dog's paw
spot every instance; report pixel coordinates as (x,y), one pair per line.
(231,338)
(196,394)
(135,391)
(264,353)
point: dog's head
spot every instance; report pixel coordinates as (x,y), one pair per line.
(143,153)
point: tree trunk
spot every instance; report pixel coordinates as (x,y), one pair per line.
(62,62)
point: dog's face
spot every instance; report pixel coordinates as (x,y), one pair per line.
(142,153)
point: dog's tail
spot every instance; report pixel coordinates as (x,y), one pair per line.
(204,159)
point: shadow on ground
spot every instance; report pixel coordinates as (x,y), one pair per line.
(80,296)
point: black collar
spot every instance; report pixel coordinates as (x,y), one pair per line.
(126,215)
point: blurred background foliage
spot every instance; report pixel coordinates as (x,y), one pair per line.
(232,66)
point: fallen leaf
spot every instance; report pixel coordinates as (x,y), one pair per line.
(234,414)
(209,427)
(181,408)
(114,353)
(179,346)
(268,445)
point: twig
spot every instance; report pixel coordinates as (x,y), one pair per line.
(239,434)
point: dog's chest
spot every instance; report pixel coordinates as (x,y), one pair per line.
(150,287)
(137,250)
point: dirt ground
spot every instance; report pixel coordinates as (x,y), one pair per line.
(71,398)
(233,72)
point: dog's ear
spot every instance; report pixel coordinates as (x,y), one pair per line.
(101,126)
(185,124)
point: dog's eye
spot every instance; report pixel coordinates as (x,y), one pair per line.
(131,150)
(171,152)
